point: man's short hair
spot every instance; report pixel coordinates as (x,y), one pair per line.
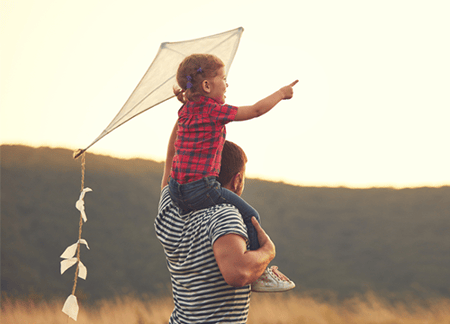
(233,162)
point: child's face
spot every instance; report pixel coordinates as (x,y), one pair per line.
(218,86)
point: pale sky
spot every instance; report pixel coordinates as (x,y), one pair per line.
(371,109)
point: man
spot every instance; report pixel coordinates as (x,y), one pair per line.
(210,267)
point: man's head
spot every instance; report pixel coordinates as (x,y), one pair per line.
(232,170)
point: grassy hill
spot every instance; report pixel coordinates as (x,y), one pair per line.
(336,240)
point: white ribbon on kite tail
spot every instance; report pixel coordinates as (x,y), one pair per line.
(80,203)
(70,307)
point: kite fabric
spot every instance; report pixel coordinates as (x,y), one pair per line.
(156,86)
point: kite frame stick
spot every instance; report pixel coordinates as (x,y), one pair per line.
(78,152)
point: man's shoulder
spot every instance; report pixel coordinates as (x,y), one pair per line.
(214,211)
(218,211)
(217,220)
(225,219)
(165,191)
(164,200)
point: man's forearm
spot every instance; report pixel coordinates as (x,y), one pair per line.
(254,263)
(238,266)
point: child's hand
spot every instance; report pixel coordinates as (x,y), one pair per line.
(288,91)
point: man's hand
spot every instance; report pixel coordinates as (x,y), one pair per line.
(288,91)
(264,240)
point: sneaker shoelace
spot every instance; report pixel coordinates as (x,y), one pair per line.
(278,274)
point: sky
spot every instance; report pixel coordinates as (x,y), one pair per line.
(371,109)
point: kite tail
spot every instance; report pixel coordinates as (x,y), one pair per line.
(71,304)
(80,227)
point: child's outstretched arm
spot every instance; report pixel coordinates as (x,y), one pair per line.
(169,156)
(266,104)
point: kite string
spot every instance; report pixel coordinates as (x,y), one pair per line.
(83,167)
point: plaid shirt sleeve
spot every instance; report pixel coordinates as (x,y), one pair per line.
(224,114)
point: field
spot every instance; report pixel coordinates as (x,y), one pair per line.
(273,309)
(342,240)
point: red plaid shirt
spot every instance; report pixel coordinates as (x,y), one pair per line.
(200,138)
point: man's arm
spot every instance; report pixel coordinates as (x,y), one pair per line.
(169,156)
(238,266)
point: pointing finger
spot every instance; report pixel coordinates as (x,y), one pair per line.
(294,83)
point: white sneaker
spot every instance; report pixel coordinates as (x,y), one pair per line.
(272,280)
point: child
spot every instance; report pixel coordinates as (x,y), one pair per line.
(198,138)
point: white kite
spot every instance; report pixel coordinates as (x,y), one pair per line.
(156,86)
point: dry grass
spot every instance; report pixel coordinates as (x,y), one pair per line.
(127,310)
(265,308)
(369,309)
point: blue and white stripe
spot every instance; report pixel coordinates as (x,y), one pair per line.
(200,293)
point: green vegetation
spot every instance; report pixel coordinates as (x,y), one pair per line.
(338,240)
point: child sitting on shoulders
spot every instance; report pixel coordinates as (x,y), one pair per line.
(196,145)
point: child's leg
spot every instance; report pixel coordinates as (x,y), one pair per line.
(208,192)
(247,213)
(176,196)
(195,195)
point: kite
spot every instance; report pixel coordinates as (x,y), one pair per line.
(156,86)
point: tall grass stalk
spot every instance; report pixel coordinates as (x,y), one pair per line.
(264,309)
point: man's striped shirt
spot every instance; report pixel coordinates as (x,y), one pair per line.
(200,293)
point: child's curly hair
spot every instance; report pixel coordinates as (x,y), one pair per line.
(193,70)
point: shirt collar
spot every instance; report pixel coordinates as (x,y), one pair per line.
(204,100)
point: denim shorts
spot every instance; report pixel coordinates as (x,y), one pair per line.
(208,192)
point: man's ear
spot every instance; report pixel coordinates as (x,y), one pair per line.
(236,181)
(206,86)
